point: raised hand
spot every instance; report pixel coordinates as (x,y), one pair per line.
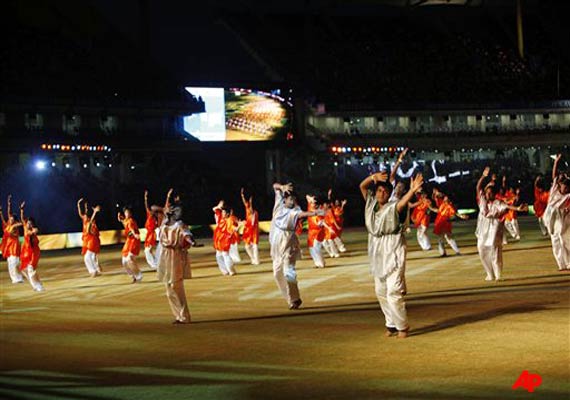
(416,183)
(96,208)
(23,204)
(402,155)
(287,188)
(380,176)
(486,171)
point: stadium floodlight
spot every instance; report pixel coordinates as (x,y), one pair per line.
(40,165)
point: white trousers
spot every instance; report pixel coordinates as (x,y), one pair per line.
(33,278)
(286,279)
(234,253)
(14,270)
(317,254)
(423,239)
(91,262)
(561,250)
(391,299)
(330,247)
(513,228)
(492,260)
(252,251)
(130,265)
(339,244)
(225,263)
(449,238)
(151,259)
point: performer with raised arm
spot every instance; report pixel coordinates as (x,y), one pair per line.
(250,234)
(442,225)
(284,242)
(490,226)
(387,247)
(315,233)
(234,238)
(420,217)
(540,203)
(337,207)
(132,245)
(222,239)
(151,224)
(557,216)
(511,196)
(90,237)
(175,238)
(30,254)
(331,227)
(11,244)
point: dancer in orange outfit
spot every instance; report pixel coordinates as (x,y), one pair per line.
(4,224)
(222,239)
(151,224)
(90,237)
(132,245)
(540,203)
(11,245)
(421,219)
(234,240)
(250,234)
(30,254)
(511,197)
(337,207)
(442,225)
(330,231)
(316,233)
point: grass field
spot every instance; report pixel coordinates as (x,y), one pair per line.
(104,338)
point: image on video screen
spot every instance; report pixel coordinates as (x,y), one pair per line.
(236,114)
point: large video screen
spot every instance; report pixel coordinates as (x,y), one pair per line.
(237,114)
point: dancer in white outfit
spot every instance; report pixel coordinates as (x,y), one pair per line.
(490,227)
(387,248)
(284,242)
(557,216)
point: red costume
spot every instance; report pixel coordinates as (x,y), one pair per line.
(132,245)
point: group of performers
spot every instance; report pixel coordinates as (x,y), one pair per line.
(387,213)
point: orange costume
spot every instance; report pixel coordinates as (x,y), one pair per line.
(338,212)
(223,232)
(4,238)
(442,224)
(150,226)
(11,242)
(316,230)
(330,220)
(540,201)
(30,254)
(420,215)
(251,228)
(235,234)
(132,245)
(91,241)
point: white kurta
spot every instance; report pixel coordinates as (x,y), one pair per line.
(489,234)
(557,220)
(387,254)
(285,249)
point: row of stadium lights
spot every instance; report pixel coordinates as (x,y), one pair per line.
(78,147)
(339,149)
